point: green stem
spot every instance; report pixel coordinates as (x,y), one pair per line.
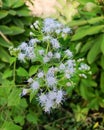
(14,72)
(47,48)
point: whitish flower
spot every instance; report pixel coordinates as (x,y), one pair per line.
(67,75)
(35,85)
(69,53)
(21,57)
(30,80)
(51,99)
(31,33)
(49,25)
(42,99)
(41,52)
(31,56)
(80,59)
(30,53)
(40,75)
(59,97)
(55,43)
(48,105)
(24,92)
(66,30)
(46,59)
(51,81)
(57,55)
(31,26)
(33,41)
(50,54)
(46,38)
(68,84)
(36,24)
(62,66)
(70,63)
(52,95)
(23,46)
(51,72)
(84,67)
(83,75)
(58,31)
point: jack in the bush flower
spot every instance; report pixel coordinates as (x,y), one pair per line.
(57,67)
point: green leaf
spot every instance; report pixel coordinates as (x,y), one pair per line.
(95,50)
(102,81)
(12,60)
(102,44)
(32,95)
(33,69)
(83,2)
(87,30)
(84,91)
(16,30)
(22,72)
(27,20)
(9,3)
(32,117)
(4,43)
(24,11)
(3,14)
(14,97)
(19,119)
(18,3)
(94,104)
(102,61)
(84,22)
(18,22)
(12,12)
(5,30)
(87,45)
(10,126)
(8,73)
(4,56)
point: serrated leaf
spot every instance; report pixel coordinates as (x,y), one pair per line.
(19,119)
(94,104)
(32,117)
(8,73)
(32,94)
(95,50)
(102,81)
(12,60)
(22,72)
(33,70)
(3,14)
(10,126)
(16,30)
(14,97)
